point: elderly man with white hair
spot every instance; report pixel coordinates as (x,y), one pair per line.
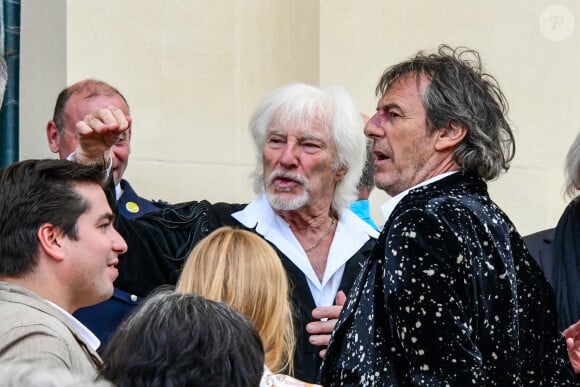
(310,149)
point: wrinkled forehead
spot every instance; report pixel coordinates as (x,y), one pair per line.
(311,124)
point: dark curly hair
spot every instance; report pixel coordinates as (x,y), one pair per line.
(460,91)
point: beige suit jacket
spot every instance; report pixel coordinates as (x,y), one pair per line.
(32,330)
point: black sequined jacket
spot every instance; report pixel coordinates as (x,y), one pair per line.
(448,297)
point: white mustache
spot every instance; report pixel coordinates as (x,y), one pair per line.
(300,179)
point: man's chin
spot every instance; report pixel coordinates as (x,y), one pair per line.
(107,294)
(103,296)
(287,201)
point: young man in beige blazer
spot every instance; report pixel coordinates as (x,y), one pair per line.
(58,252)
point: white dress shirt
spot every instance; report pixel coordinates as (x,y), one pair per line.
(351,234)
(388,206)
(88,336)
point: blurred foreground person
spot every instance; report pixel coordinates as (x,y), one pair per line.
(174,340)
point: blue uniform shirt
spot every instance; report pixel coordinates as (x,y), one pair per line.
(362,209)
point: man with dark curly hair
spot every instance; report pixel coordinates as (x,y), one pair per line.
(449,296)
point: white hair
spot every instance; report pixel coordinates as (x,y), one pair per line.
(3,78)
(298,103)
(572,167)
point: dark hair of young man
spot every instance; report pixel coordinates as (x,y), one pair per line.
(33,193)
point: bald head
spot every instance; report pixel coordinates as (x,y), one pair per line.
(84,90)
(72,105)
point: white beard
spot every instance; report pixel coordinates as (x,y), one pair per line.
(288,204)
(285,204)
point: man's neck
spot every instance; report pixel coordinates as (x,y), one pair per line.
(305,218)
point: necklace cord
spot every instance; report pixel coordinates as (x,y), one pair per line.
(317,243)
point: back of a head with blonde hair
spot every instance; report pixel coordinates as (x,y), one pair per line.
(239,268)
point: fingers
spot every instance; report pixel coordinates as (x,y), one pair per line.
(123,121)
(327,317)
(326,312)
(330,312)
(574,356)
(98,132)
(573,330)
(110,117)
(321,327)
(340,298)
(104,120)
(319,340)
(320,332)
(573,347)
(83,128)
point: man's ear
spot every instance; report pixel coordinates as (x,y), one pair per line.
(50,239)
(53,136)
(341,172)
(450,136)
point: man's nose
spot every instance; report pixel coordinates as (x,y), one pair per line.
(372,128)
(289,154)
(119,244)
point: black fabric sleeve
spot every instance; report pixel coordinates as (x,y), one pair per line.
(158,244)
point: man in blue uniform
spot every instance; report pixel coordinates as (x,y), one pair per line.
(72,105)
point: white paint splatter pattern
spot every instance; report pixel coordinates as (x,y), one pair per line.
(448,298)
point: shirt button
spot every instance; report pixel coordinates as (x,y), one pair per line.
(134,298)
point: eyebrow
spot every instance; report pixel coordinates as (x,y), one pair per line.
(276,133)
(310,137)
(107,216)
(388,106)
(305,137)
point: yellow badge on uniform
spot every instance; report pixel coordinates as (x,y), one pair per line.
(132,207)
